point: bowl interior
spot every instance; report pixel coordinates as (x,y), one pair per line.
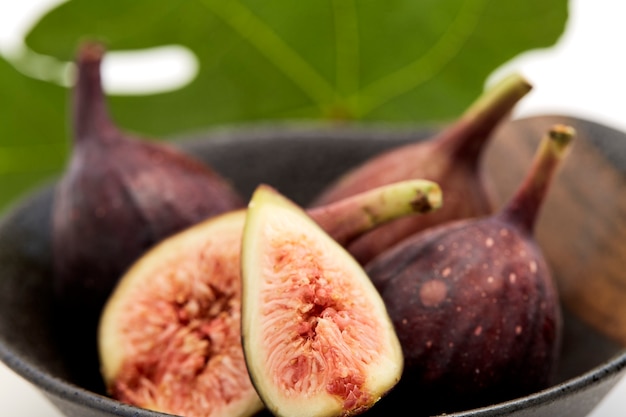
(581,230)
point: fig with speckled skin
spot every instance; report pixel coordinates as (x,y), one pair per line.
(474,303)
(451,159)
(169,336)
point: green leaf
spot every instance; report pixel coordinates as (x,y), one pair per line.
(397,60)
(32,131)
(401,61)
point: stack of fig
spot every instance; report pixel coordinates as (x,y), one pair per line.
(216,310)
(170,338)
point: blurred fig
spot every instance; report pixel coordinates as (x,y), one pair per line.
(451,159)
(473,301)
(118,197)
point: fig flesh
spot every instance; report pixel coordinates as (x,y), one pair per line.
(316,335)
(473,301)
(169,336)
(120,195)
(451,159)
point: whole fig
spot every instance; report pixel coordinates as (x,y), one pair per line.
(170,336)
(451,159)
(474,303)
(118,197)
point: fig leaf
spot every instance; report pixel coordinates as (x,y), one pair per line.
(399,61)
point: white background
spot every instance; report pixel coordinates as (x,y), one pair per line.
(584,76)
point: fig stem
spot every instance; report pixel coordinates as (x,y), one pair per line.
(465,138)
(348,218)
(90,114)
(523,207)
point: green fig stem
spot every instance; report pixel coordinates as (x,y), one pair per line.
(523,208)
(465,138)
(90,113)
(348,218)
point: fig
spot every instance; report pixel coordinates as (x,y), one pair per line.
(473,301)
(119,195)
(169,335)
(316,335)
(451,158)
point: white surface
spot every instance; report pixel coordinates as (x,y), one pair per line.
(582,76)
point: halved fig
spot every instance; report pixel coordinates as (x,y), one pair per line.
(316,335)
(169,336)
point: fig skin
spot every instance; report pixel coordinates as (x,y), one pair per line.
(451,158)
(316,336)
(473,302)
(170,332)
(119,195)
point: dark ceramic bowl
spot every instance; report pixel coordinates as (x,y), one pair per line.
(581,229)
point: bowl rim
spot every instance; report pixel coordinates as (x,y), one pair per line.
(58,387)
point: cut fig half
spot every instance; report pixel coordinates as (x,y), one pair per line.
(316,336)
(169,336)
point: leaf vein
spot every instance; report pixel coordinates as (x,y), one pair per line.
(267,42)
(426,66)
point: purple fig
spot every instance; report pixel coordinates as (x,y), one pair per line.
(118,197)
(473,301)
(451,159)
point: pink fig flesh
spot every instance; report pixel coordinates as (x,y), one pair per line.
(316,336)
